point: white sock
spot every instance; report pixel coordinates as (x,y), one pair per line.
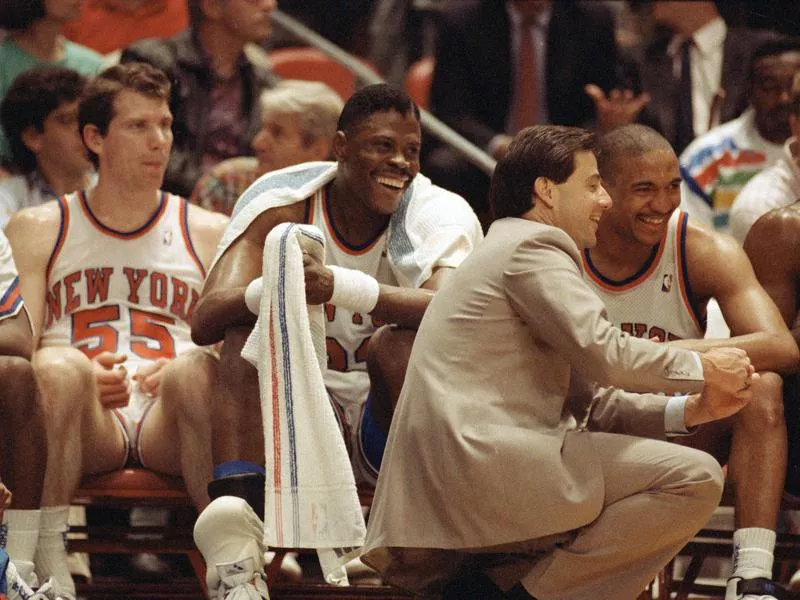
(51,552)
(23,533)
(22,536)
(753,549)
(226,532)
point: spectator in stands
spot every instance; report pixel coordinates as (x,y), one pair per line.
(776,186)
(686,97)
(40,117)
(535,57)
(110,297)
(35,37)
(298,120)
(109,25)
(217,73)
(23,444)
(718,164)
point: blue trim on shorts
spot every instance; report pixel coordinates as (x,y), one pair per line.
(237,467)
(373,439)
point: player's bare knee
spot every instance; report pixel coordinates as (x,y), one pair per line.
(388,351)
(188,383)
(765,410)
(18,393)
(64,373)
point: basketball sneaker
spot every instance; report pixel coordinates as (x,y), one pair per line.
(754,589)
(239,580)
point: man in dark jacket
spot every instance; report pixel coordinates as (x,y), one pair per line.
(217,73)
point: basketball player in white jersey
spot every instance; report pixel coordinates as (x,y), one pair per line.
(110,277)
(391,237)
(656,271)
(23,445)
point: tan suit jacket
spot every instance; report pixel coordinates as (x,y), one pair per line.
(485,448)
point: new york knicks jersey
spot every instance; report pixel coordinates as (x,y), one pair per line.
(347,333)
(124,292)
(10,296)
(656,302)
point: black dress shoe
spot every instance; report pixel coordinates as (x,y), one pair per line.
(474,586)
(477,586)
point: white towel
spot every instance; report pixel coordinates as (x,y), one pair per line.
(311,497)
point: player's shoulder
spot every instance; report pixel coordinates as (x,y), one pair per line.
(434,205)
(777,226)
(701,238)
(42,219)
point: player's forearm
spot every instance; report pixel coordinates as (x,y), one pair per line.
(402,306)
(218,310)
(768,351)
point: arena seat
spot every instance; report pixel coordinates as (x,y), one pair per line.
(129,488)
(311,64)
(418,80)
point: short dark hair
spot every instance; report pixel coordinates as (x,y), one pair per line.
(626,142)
(373,99)
(539,151)
(31,98)
(97,102)
(20,14)
(772,47)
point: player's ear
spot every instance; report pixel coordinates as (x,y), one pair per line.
(543,191)
(339,146)
(32,138)
(92,138)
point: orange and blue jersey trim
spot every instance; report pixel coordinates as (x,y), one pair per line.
(123,235)
(11,301)
(631,282)
(187,237)
(684,284)
(63,227)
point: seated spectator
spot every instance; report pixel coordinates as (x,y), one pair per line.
(23,445)
(40,117)
(479,47)
(109,25)
(717,165)
(776,186)
(34,37)
(216,84)
(298,120)
(110,297)
(694,77)
(388,231)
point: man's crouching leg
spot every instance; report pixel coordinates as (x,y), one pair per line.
(229,534)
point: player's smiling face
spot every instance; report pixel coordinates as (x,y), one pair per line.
(646,191)
(380,158)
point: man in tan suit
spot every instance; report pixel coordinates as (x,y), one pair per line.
(501,472)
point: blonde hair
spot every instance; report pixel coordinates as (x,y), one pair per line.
(315,103)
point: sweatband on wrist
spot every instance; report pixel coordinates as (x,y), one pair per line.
(252,295)
(354,290)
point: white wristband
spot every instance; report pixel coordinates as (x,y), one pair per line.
(252,295)
(354,290)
